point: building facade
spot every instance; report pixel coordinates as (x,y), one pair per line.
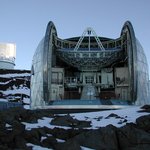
(89,70)
(7,55)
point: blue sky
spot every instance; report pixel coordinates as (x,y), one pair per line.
(24,21)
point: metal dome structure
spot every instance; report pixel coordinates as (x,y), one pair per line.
(7,55)
(89,71)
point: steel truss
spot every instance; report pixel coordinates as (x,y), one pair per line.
(88,31)
(86,60)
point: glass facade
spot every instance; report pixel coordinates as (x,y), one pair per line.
(62,74)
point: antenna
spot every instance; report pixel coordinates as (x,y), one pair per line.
(88,31)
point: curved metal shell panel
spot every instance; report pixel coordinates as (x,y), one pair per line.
(47,60)
(132,57)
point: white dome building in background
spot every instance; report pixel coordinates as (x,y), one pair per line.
(7,55)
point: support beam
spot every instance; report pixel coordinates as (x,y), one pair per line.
(88,31)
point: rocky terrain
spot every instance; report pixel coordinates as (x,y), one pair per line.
(15,86)
(23,129)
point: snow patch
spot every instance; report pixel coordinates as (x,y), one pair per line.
(98,119)
(24,90)
(44,122)
(15,75)
(3,100)
(85,148)
(37,147)
(60,141)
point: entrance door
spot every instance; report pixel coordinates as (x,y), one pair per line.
(54,93)
(124,94)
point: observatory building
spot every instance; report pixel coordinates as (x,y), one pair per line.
(89,71)
(7,55)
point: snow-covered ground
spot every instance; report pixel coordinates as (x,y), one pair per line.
(98,119)
(36,147)
(23,90)
(11,75)
(15,87)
